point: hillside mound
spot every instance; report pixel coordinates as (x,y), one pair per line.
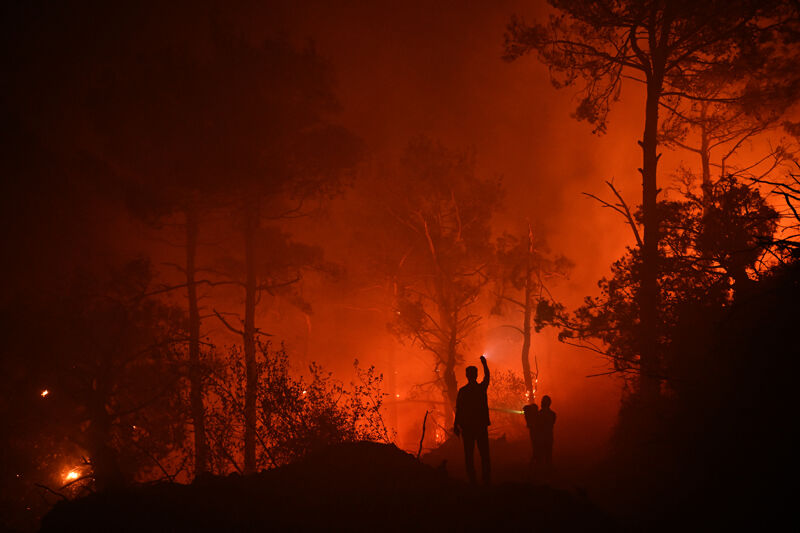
(355,487)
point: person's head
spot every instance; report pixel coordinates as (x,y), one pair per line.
(546,402)
(472,373)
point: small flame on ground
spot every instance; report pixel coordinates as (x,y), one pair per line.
(72,475)
(305,392)
(44,393)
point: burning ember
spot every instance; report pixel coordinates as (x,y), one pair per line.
(44,393)
(72,475)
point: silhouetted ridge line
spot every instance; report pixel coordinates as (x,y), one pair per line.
(360,486)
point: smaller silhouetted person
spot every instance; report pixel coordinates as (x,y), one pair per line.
(472,421)
(545,421)
(531,413)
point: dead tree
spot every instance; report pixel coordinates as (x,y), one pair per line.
(524,265)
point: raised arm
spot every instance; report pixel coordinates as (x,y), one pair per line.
(485,381)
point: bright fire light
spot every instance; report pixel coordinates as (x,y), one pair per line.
(45,392)
(72,475)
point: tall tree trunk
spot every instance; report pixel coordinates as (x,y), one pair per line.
(649,385)
(105,463)
(705,157)
(195,372)
(526,319)
(705,153)
(249,336)
(391,381)
(450,382)
(526,341)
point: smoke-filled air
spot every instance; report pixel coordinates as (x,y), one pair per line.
(398,266)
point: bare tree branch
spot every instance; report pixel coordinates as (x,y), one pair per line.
(226,324)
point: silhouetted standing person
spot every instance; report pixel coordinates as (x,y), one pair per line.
(472,421)
(545,421)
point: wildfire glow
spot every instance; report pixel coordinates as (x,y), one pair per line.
(72,475)
(44,393)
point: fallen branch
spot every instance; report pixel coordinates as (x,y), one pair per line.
(51,491)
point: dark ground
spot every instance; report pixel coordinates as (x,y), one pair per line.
(353,487)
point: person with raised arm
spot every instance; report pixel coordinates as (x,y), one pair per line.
(472,421)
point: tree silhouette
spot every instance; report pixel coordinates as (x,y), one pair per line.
(735,107)
(295,415)
(711,245)
(667,47)
(235,127)
(163,166)
(113,361)
(788,190)
(524,266)
(436,214)
(276,149)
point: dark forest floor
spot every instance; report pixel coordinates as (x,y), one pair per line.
(377,487)
(350,487)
